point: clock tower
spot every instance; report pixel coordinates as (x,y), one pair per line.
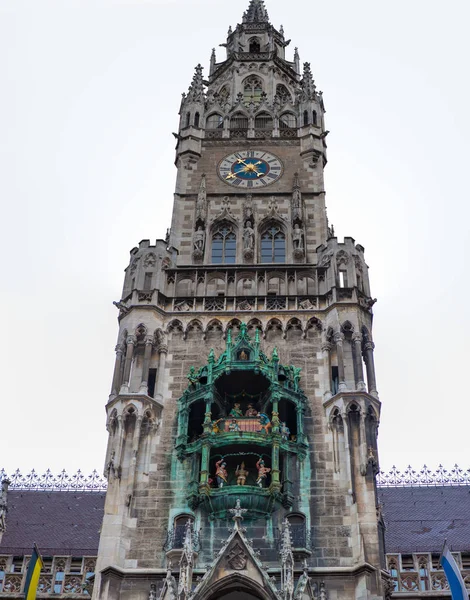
(243,411)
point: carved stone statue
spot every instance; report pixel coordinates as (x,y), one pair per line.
(198,240)
(3,504)
(153,592)
(248,237)
(298,237)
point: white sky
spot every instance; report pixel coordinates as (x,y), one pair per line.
(90,95)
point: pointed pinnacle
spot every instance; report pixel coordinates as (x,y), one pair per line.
(256,13)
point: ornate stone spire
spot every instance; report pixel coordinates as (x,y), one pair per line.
(256,13)
(196,89)
(308,85)
(3,505)
(287,562)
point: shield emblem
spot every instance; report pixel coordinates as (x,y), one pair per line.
(237,558)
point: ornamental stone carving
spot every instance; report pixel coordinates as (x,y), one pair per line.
(237,558)
(342,258)
(150,260)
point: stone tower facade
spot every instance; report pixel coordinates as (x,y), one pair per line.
(244,393)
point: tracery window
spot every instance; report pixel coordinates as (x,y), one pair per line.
(239,121)
(263,121)
(283,94)
(252,90)
(287,121)
(214,121)
(180,530)
(224,94)
(255,45)
(224,245)
(273,245)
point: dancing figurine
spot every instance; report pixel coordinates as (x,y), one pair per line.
(251,411)
(234,426)
(265,423)
(241,474)
(285,431)
(262,472)
(221,472)
(236,411)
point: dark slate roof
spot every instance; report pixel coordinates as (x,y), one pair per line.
(58,522)
(419,519)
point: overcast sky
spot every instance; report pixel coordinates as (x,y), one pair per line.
(90,96)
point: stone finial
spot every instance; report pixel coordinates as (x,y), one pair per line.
(287,562)
(238,513)
(256,13)
(308,84)
(196,89)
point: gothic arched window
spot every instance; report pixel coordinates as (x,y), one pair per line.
(305,118)
(283,94)
(224,245)
(215,121)
(239,121)
(287,121)
(255,45)
(263,121)
(252,89)
(273,245)
(224,94)
(298,530)
(314,117)
(196,119)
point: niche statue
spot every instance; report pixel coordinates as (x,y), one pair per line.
(198,242)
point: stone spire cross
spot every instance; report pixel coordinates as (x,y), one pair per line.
(308,84)
(238,513)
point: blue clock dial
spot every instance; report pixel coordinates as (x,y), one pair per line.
(250,169)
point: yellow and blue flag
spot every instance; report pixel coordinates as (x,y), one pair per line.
(32,577)
(454,577)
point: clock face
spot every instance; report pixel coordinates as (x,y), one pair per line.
(250,169)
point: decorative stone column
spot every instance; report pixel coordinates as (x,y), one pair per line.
(360,385)
(131,341)
(339,339)
(205,455)
(117,371)
(146,365)
(370,368)
(163,351)
(300,423)
(326,351)
(275,473)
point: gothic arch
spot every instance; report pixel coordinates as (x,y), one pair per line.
(232,324)
(175,325)
(235,582)
(288,120)
(253,88)
(272,241)
(294,329)
(254,45)
(193,327)
(253,325)
(273,328)
(283,93)
(313,323)
(214,325)
(224,238)
(214,121)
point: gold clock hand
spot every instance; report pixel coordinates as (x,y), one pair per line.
(230,176)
